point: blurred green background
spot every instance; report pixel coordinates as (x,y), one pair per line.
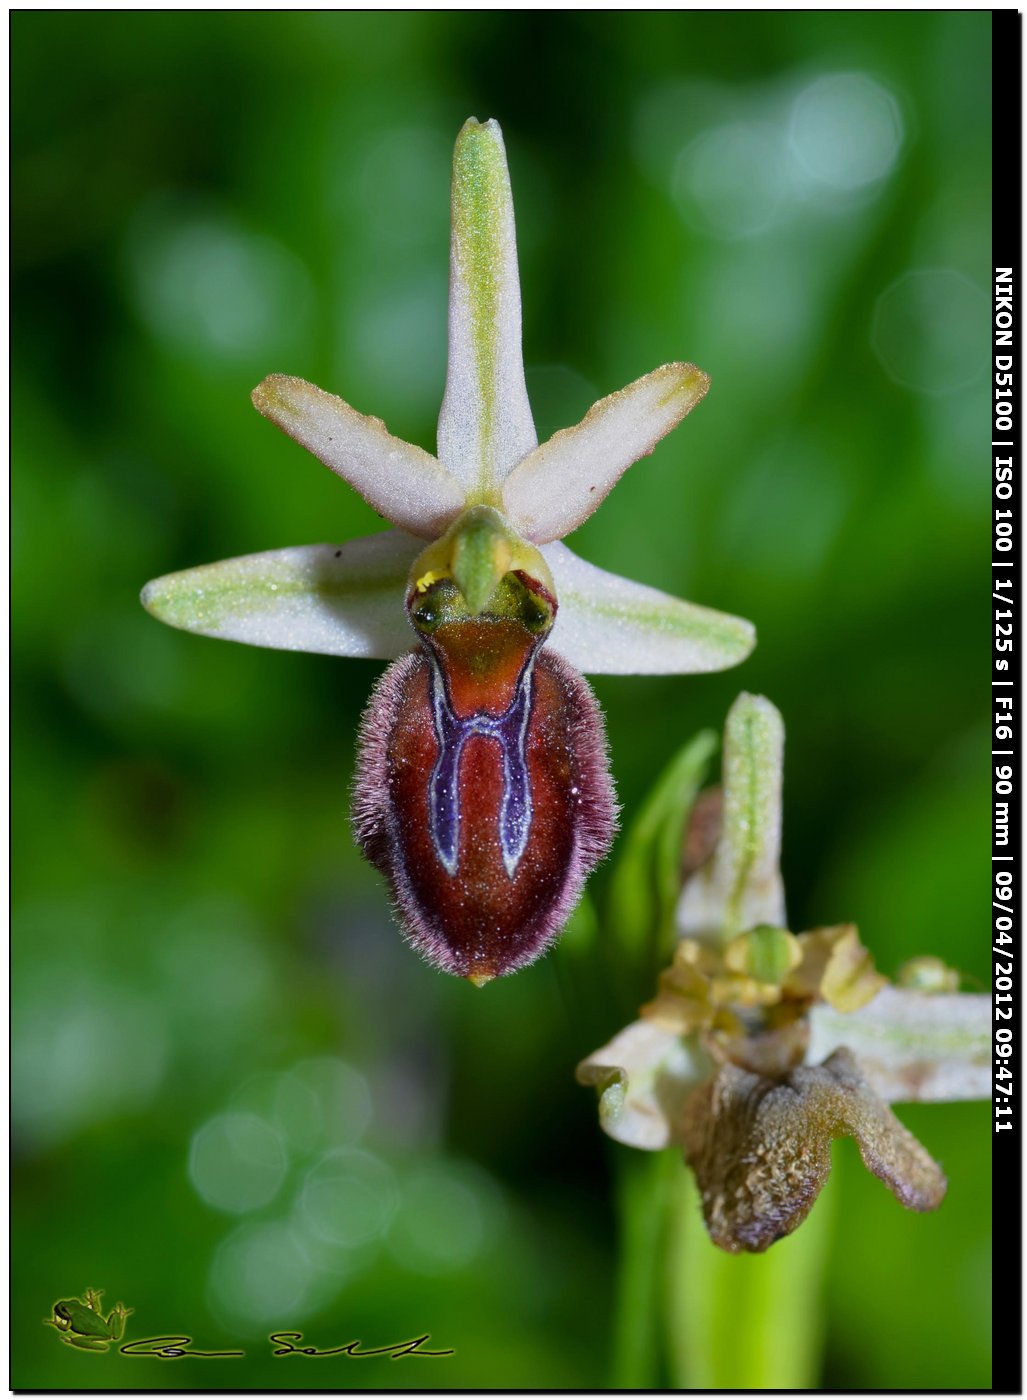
(239,1101)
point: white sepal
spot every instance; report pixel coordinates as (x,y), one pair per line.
(913,1047)
(644,1075)
(485,426)
(610,625)
(340,600)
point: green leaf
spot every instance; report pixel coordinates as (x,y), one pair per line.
(645,1184)
(646,879)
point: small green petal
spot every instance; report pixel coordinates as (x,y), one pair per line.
(481,557)
(477,551)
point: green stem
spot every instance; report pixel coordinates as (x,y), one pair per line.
(645,1181)
(743,1321)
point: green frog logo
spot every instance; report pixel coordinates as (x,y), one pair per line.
(83,1323)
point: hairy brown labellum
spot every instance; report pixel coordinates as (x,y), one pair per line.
(482,791)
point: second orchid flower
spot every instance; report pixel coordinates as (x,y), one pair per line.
(762,1046)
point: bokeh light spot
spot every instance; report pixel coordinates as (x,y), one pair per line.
(786,510)
(318,1104)
(846,130)
(205,283)
(260,1274)
(731,179)
(931,330)
(349,1198)
(447,1215)
(323,1101)
(81,1050)
(298,1112)
(237,1162)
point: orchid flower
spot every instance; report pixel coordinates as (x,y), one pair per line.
(482,790)
(761,1046)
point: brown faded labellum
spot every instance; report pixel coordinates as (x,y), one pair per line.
(482,791)
(761,1148)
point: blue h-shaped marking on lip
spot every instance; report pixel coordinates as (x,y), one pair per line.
(510,731)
